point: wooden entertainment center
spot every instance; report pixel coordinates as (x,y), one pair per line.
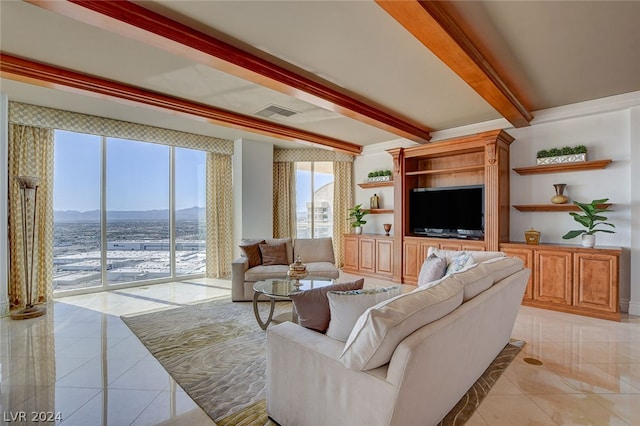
(566,278)
(478,159)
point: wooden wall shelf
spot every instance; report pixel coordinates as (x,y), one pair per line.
(564,167)
(375,184)
(380,211)
(554,207)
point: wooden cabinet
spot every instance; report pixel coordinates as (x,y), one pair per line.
(478,159)
(369,255)
(593,274)
(527,257)
(571,279)
(552,279)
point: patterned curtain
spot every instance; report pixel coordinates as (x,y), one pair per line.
(31,154)
(219,215)
(342,200)
(284,200)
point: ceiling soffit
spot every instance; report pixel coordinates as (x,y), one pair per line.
(45,75)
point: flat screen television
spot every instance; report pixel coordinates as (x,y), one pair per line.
(448,212)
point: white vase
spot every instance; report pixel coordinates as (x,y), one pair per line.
(357,230)
(588,240)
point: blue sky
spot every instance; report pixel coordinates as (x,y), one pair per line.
(137,174)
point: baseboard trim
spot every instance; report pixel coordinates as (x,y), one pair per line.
(634,308)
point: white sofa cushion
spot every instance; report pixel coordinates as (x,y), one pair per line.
(381,328)
(322,269)
(475,279)
(314,250)
(503,267)
(347,306)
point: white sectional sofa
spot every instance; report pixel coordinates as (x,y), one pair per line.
(316,254)
(408,359)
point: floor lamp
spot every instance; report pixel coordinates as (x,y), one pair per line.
(29,200)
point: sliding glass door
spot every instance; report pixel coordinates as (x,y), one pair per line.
(314,199)
(137,207)
(126,212)
(77,236)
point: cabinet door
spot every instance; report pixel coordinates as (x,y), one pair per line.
(367,258)
(527,258)
(384,257)
(351,253)
(411,261)
(553,277)
(450,246)
(595,281)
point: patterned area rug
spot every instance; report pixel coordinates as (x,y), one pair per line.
(217,353)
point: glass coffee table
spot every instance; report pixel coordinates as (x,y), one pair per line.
(279,289)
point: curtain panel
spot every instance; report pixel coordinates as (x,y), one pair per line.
(284,200)
(219,215)
(31,154)
(342,201)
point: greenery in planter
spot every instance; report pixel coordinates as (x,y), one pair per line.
(590,219)
(356,214)
(378,173)
(567,150)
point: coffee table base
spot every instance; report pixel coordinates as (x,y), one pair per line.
(272,302)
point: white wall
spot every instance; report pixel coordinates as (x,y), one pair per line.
(634,138)
(607,127)
(4,187)
(375,158)
(252,191)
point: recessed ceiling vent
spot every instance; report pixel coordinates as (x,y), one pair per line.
(275,111)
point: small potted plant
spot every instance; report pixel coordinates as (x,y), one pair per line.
(590,219)
(566,154)
(379,176)
(356,214)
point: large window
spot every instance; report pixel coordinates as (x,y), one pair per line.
(126,211)
(314,199)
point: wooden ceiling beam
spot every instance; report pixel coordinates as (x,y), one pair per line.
(134,21)
(438,31)
(36,73)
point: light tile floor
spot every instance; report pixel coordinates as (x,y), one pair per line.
(81,361)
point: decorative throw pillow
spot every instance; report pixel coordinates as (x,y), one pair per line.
(347,306)
(274,254)
(381,328)
(312,306)
(252,253)
(459,262)
(432,269)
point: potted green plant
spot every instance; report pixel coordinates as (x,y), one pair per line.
(379,176)
(356,214)
(566,154)
(590,219)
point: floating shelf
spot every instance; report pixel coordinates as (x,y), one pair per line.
(375,184)
(564,167)
(447,171)
(554,207)
(380,211)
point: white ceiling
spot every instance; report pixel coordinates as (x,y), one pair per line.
(551,53)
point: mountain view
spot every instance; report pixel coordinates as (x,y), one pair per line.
(192,213)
